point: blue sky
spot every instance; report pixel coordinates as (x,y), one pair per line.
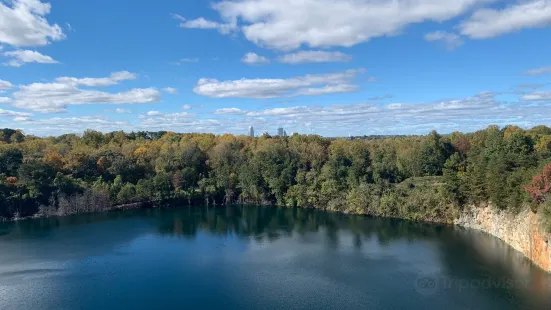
(314,66)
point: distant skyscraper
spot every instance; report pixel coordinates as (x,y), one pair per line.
(280,131)
(251,131)
(284,133)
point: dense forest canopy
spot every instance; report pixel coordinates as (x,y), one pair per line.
(414,177)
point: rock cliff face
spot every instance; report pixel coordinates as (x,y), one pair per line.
(522,231)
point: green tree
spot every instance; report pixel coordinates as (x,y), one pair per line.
(92,138)
(127,194)
(433,154)
(10,160)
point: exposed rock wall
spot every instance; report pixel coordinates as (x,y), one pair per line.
(522,231)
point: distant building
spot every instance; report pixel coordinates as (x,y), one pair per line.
(265,134)
(280,131)
(251,131)
(284,133)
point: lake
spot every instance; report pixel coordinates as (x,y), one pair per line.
(252,257)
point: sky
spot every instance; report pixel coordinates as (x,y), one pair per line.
(328,67)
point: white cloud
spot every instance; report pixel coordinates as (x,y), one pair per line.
(13,113)
(274,88)
(387,96)
(369,118)
(371,79)
(49,98)
(289,24)
(170,90)
(174,115)
(178,17)
(122,111)
(394,106)
(23,23)
(252,58)
(55,97)
(5,99)
(113,79)
(21,118)
(201,23)
(5,85)
(155,113)
(59,125)
(329,89)
(537,96)
(464,114)
(230,111)
(184,60)
(186,107)
(539,71)
(450,40)
(291,111)
(169,121)
(488,23)
(181,122)
(21,57)
(314,56)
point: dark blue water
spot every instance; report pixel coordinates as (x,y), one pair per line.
(247,257)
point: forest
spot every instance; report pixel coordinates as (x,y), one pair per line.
(428,178)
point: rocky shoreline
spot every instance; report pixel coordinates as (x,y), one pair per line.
(523,231)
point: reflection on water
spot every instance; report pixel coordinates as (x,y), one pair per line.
(505,260)
(259,257)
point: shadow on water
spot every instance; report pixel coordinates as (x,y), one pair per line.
(488,257)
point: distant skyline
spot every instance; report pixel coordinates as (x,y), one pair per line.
(329,67)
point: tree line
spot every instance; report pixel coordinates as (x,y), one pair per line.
(427,177)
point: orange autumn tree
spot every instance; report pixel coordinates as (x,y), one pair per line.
(11,181)
(541,185)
